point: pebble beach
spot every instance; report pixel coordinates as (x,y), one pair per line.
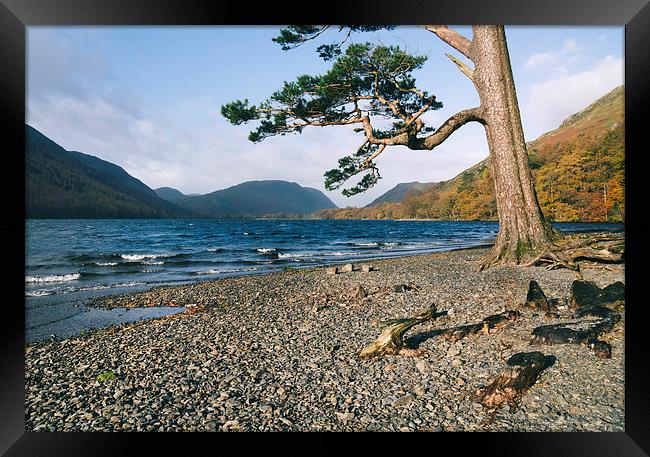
(280,352)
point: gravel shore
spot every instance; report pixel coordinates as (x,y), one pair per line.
(280,352)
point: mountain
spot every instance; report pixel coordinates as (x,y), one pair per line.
(168,193)
(258,198)
(397,193)
(69,184)
(578,168)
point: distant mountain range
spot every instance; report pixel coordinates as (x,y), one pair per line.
(578,168)
(69,184)
(397,193)
(252,198)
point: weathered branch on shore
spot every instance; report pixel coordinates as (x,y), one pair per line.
(521,373)
(489,325)
(391,339)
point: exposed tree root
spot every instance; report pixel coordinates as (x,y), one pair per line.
(391,341)
(570,250)
(521,373)
(489,325)
(565,251)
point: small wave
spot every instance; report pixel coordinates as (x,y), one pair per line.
(367,245)
(105,264)
(39,293)
(149,262)
(337,253)
(215,249)
(67,290)
(138,257)
(291,256)
(216,272)
(265,250)
(53,278)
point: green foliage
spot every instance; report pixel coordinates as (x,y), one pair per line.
(365,81)
(106,376)
(296,35)
(239,112)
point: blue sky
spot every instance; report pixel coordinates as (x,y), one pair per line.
(148,99)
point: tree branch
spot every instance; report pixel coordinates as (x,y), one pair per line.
(451,125)
(452,38)
(462,67)
(429,142)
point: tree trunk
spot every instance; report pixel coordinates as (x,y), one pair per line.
(523,231)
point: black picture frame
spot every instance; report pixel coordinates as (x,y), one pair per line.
(16,15)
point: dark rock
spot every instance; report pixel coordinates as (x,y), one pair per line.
(602,350)
(536,298)
(584,293)
(587,293)
(613,294)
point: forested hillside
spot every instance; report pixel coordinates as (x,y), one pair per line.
(68,184)
(579,172)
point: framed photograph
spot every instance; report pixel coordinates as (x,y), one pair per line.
(230,222)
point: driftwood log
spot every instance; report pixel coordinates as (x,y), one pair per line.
(490,324)
(520,374)
(574,332)
(391,339)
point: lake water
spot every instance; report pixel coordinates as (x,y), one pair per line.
(68,261)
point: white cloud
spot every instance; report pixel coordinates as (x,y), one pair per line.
(555,62)
(549,102)
(537,60)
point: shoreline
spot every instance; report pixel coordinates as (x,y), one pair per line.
(280,352)
(109,301)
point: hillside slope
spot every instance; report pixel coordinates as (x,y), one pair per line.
(169,193)
(69,184)
(578,168)
(400,191)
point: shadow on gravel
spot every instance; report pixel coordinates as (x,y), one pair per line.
(414,342)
